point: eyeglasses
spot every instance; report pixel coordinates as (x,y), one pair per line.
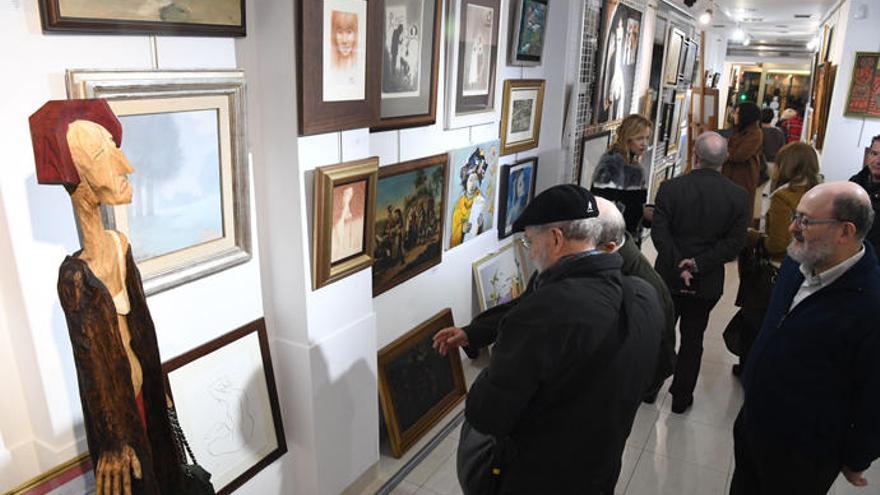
(801,221)
(526,243)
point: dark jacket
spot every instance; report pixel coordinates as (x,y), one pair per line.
(813,374)
(636,265)
(565,381)
(863,179)
(623,183)
(701,215)
(104,375)
(745,147)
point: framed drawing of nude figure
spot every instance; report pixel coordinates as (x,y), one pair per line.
(339,64)
(344,205)
(616,61)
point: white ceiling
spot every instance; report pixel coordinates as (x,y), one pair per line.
(766,21)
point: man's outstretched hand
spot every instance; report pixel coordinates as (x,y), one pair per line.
(449,338)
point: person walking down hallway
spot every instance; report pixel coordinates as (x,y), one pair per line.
(700,223)
(811,406)
(869,179)
(745,148)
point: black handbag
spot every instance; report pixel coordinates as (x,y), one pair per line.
(194,479)
(757,278)
(478,461)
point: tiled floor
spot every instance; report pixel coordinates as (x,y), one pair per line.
(666,453)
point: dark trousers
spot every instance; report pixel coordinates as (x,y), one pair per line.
(692,315)
(776,470)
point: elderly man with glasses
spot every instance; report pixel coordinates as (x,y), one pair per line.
(812,381)
(573,355)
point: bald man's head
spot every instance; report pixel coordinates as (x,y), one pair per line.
(613,225)
(710,149)
(846,201)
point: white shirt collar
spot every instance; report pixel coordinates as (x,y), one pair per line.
(830,275)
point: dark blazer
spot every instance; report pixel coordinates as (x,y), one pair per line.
(701,215)
(561,387)
(813,375)
(863,178)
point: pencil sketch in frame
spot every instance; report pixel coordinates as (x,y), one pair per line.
(592,149)
(418,386)
(344,214)
(410,63)
(226,400)
(521,111)
(672,57)
(185,135)
(528,32)
(180,18)
(345,50)
(499,277)
(410,207)
(472,54)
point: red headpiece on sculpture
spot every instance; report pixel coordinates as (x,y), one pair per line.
(49,136)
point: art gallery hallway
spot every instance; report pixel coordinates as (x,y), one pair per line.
(666,453)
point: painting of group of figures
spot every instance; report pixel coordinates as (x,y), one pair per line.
(409,220)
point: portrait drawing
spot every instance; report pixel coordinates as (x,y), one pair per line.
(478,45)
(344,47)
(348,220)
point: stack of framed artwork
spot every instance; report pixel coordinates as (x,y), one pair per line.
(181,127)
(418,386)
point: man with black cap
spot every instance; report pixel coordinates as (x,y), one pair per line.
(573,355)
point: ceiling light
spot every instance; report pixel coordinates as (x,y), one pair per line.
(738,34)
(813,44)
(706,17)
(747,41)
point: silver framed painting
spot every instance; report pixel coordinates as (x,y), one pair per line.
(528,28)
(184,133)
(592,149)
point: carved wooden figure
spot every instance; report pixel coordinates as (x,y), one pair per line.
(122,388)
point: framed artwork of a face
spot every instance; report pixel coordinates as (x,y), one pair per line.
(521,115)
(672,57)
(225,395)
(472,35)
(184,134)
(411,52)
(471,203)
(179,17)
(499,277)
(616,62)
(410,202)
(592,149)
(338,57)
(529,26)
(343,209)
(516,191)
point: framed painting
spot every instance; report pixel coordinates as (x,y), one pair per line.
(678,113)
(472,57)
(592,149)
(74,477)
(410,59)
(516,191)
(418,386)
(340,72)
(616,61)
(672,58)
(657,178)
(499,277)
(185,134)
(689,64)
(410,202)
(521,115)
(528,31)
(863,99)
(471,203)
(344,215)
(225,396)
(177,17)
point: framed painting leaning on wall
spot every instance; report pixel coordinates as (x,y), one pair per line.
(499,277)
(225,395)
(185,132)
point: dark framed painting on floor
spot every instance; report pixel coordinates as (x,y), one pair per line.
(339,59)
(619,36)
(176,17)
(410,203)
(418,386)
(410,63)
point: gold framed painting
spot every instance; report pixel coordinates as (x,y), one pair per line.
(74,476)
(344,215)
(521,115)
(418,386)
(185,134)
(177,17)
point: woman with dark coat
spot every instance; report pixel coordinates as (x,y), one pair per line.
(745,147)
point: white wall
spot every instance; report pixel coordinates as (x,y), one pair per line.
(846,137)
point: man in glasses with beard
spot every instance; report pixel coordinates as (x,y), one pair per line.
(812,407)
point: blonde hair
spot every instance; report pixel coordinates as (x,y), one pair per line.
(631,126)
(797,162)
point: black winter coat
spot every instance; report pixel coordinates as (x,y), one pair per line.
(863,179)
(565,381)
